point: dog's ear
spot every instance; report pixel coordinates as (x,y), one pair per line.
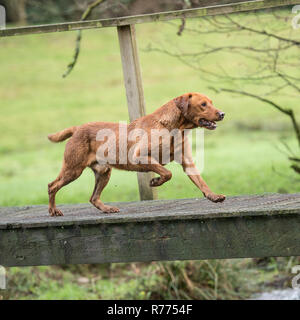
(182,103)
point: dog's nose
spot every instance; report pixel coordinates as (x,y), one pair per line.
(221,115)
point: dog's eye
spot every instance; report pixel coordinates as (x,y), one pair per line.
(203,104)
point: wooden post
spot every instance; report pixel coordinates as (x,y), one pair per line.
(134,93)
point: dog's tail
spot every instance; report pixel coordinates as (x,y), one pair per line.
(62,135)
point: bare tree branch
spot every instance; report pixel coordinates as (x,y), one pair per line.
(267,62)
(290,83)
(181,27)
(264,33)
(84,16)
(288,112)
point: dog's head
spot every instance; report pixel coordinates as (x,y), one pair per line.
(199,109)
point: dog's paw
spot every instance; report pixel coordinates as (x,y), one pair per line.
(109,209)
(155,182)
(54,212)
(216,197)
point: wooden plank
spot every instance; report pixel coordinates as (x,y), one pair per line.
(132,72)
(187,229)
(134,93)
(240,6)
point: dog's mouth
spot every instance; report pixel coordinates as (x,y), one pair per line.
(211,125)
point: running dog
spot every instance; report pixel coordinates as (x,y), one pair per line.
(188,111)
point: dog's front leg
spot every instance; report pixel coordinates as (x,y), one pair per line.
(193,173)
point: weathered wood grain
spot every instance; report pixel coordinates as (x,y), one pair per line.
(134,93)
(235,6)
(247,226)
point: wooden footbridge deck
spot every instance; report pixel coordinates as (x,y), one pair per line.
(244,226)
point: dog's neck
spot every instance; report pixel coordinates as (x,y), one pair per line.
(172,118)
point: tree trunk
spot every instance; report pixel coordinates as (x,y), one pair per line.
(15,11)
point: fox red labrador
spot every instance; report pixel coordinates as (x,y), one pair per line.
(86,148)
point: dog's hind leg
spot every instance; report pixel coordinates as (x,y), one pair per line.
(66,176)
(102,176)
(75,161)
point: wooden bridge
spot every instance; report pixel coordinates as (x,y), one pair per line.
(247,226)
(187,229)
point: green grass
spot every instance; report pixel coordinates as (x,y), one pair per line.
(241,156)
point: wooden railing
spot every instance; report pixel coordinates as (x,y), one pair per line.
(233,7)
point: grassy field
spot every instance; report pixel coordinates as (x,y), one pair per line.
(241,156)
